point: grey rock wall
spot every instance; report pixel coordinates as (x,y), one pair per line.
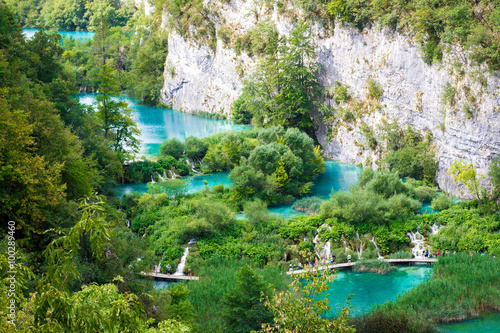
(196,78)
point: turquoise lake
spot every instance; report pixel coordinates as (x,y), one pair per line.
(158,124)
(78,35)
(369,289)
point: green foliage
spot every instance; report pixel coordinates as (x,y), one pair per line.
(375,90)
(494,174)
(466,174)
(441,202)
(401,255)
(467,229)
(449,93)
(119,127)
(410,154)
(311,205)
(195,148)
(190,18)
(218,275)
(373,265)
(341,92)
(261,40)
(425,193)
(243,309)
(301,313)
(172,187)
(284,85)
(461,287)
(434,24)
(172,147)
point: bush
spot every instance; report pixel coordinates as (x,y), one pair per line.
(401,255)
(441,202)
(172,147)
(425,193)
(374,266)
(375,90)
(310,205)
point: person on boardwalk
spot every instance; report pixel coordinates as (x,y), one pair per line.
(316,262)
(156,269)
(189,271)
(349,258)
(168,269)
(291,267)
(333,258)
(427,253)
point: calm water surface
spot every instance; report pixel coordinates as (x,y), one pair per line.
(489,323)
(158,124)
(370,288)
(79,35)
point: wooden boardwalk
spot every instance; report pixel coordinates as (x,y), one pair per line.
(347,265)
(161,276)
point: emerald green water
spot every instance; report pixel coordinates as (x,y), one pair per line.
(158,124)
(369,289)
(78,35)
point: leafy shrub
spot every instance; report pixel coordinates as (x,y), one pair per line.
(441,202)
(425,193)
(172,147)
(375,90)
(308,204)
(374,266)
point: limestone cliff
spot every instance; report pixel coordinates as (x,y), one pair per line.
(468,127)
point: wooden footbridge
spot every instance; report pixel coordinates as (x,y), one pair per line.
(349,265)
(161,276)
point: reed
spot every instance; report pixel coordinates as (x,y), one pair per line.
(217,276)
(373,265)
(461,287)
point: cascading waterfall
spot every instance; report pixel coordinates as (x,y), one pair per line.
(345,244)
(152,180)
(160,177)
(165,174)
(315,241)
(376,247)
(434,229)
(360,249)
(182,264)
(191,165)
(418,240)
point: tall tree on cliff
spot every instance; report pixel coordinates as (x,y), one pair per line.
(284,86)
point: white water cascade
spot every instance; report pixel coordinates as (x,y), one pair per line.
(376,247)
(418,240)
(315,241)
(180,267)
(152,180)
(160,177)
(360,249)
(191,165)
(345,244)
(434,229)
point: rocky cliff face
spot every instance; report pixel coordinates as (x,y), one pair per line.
(467,127)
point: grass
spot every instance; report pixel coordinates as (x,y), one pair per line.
(373,265)
(217,276)
(462,287)
(310,205)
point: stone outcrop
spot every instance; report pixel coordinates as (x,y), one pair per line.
(197,78)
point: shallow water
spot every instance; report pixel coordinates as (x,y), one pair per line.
(195,184)
(159,124)
(370,288)
(489,323)
(78,35)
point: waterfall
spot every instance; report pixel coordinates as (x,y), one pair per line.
(127,223)
(315,241)
(191,165)
(152,180)
(285,256)
(160,177)
(328,250)
(165,174)
(345,244)
(180,267)
(360,249)
(418,240)
(434,229)
(374,243)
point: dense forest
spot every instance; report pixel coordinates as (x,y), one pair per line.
(83,256)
